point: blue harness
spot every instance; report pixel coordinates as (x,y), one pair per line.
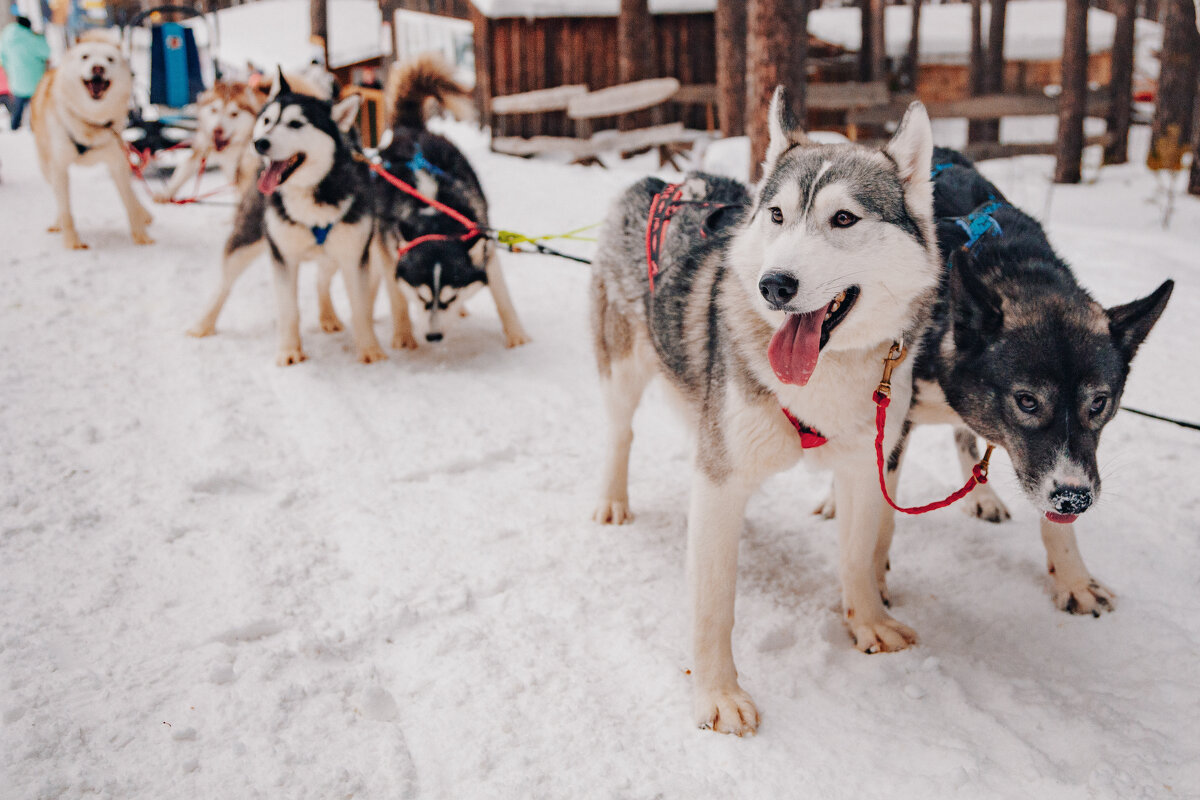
(419,163)
(321,232)
(978,223)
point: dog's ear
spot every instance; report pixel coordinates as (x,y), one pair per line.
(785,129)
(279,85)
(722,218)
(912,148)
(1131,323)
(975,308)
(345,112)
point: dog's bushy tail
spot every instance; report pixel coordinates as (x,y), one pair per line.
(420,87)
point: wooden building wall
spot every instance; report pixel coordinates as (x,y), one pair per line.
(520,55)
(937,83)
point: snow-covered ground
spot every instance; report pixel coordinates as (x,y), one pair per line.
(224,579)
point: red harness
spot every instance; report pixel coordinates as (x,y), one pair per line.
(473,229)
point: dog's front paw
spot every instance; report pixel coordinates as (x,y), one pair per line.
(984,503)
(516,337)
(404,341)
(826,508)
(725,711)
(1084,597)
(201,329)
(160,198)
(330,323)
(71,241)
(371,354)
(54,227)
(882,635)
(289,356)
(612,512)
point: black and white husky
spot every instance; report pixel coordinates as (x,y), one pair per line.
(770,323)
(442,269)
(1021,355)
(314,203)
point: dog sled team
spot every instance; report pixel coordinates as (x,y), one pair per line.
(849,296)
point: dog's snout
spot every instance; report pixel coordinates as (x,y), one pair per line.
(262,146)
(1071,499)
(433,336)
(98,70)
(778,288)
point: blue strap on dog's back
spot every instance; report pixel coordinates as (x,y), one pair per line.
(938,169)
(419,163)
(321,232)
(980,223)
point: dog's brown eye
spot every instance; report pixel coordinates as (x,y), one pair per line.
(1026,402)
(843,219)
(776,215)
(1099,403)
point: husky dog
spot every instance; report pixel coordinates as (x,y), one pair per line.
(777,314)
(1021,355)
(223,134)
(443,272)
(78,113)
(314,203)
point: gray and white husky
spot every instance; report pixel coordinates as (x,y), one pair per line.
(1018,353)
(766,319)
(314,202)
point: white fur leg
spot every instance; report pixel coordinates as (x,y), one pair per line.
(383,268)
(139,217)
(328,316)
(182,174)
(860,520)
(982,502)
(514,332)
(232,267)
(60,181)
(715,521)
(1074,589)
(356,276)
(623,390)
(286,276)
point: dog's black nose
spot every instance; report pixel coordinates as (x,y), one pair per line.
(778,288)
(1071,499)
(433,336)
(98,70)
(262,146)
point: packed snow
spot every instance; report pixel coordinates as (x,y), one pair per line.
(225,579)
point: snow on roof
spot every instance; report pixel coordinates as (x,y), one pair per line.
(271,32)
(1033,30)
(533,9)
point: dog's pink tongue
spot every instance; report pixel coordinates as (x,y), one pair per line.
(795,347)
(269,180)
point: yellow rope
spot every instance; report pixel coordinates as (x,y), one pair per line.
(512,238)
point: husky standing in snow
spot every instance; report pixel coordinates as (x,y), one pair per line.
(78,113)
(1021,355)
(444,271)
(771,328)
(314,203)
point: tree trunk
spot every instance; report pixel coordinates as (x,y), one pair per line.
(1116,151)
(798,58)
(318,27)
(993,70)
(1073,101)
(872,56)
(731,65)
(769,50)
(1180,61)
(912,62)
(1193,186)
(635,52)
(975,66)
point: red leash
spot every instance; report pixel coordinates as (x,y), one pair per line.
(883,398)
(140,159)
(473,228)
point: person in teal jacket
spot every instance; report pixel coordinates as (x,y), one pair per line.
(23,54)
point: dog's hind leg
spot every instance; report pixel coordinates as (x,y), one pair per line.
(139,217)
(182,174)
(383,269)
(329,318)
(1075,590)
(355,274)
(983,502)
(286,279)
(623,387)
(861,512)
(232,266)
(514,332)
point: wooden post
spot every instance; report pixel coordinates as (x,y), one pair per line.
(1193,186)
(318,26)
(1072,102)
(913,66)
(975,65)
(871,53)
(635,51)
(993,71)
(731,65)
(1180,60)
(1120,87)
(768,46)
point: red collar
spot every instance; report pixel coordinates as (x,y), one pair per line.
(809,438)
